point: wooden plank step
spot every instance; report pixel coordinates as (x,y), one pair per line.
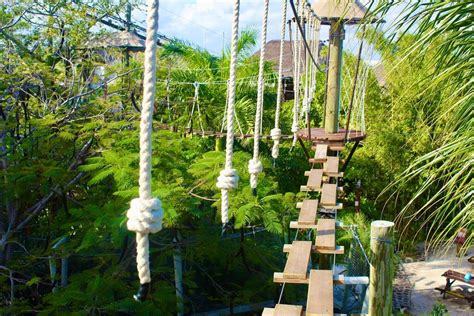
(320,293)
(329,195)
(315,179)
(331,167)
(298,260)
(296,225)
(320,153)
(337,279)
(339,250)
(335,146)
(308,212)
(288,310)
(326,235)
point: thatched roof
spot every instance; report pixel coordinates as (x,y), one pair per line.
(350,11)
(122,39)
(272,53)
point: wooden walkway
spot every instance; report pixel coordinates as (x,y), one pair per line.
(298,268)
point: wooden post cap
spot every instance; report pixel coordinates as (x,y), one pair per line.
(382,224)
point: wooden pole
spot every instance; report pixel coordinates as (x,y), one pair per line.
(381,266)
(336,38)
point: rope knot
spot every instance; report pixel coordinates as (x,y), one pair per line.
(145,216)
(255,166)
(275,134)
(228,179)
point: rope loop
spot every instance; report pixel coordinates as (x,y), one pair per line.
(228,179)
(255,166)
(145,216)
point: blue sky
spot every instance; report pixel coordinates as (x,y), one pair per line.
(207,23)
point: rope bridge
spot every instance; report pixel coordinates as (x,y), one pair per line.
(318,215)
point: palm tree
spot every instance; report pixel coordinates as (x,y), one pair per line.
(443,38)
(193,64)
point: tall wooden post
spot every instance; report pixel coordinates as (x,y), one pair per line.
(381,274)
(336,38)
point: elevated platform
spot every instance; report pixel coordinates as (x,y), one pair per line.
(320,135)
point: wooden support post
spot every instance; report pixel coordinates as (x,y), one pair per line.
(381,276)
(306,153)
(336,37)
(346,163)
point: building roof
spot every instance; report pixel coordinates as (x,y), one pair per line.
(350,11)
(272,53)
(121,39)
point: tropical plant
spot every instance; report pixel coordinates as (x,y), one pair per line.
(442,177)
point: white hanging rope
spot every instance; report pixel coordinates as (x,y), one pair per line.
(307,67)
(297,64)
(316,35)
(224,118)
(255,165)
(275,133)
(228,178)
(145,214)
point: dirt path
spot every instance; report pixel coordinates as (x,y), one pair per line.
(426,275)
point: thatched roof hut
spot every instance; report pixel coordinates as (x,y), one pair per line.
(272,53)
(123,39)
(350,11)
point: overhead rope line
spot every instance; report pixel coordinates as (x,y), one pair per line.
(195,105)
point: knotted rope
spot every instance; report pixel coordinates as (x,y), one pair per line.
(228,178)
(255,166)
(275,133)
(297,65)
(145,214)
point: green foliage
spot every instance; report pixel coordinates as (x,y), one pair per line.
(439,55)
(69,158)
(439,309)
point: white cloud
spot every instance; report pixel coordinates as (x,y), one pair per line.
(207,23)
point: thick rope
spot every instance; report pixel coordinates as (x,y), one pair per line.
(145,214)
(296,103)
(275,133)
(317,28)
(228,178)
(307,68)
(255,165)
